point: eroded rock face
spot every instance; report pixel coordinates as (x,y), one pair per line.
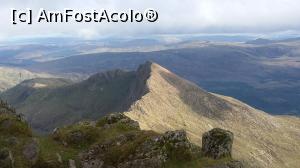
(152,153)
(217,143)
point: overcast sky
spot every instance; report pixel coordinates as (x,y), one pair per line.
(175,17)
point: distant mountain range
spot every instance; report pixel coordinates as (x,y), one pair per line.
(262,41)
(160,100)
(265,76)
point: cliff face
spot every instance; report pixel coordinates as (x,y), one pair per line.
(172,103)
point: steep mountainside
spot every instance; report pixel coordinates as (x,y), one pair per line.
(160,100)
(173,103)
(264,76)
(49,103)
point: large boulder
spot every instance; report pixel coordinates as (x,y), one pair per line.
(217,143)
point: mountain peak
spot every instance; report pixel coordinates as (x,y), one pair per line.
(173,103)
(162,101)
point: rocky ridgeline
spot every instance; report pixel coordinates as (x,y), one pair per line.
(5,108)
(116,141)
(155,151)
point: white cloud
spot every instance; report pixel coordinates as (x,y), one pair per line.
(175,16)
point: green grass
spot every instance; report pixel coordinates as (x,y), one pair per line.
(101,122)
(11,125)
(87,135)
(90,134)
(118,154)
(16,149)
(50,146)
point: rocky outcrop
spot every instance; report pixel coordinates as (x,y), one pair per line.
(31,151)
(6,158)
(5,108)
(152,153)
(114,118)
(114,141)
(217,143)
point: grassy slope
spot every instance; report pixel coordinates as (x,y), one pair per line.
(50,146)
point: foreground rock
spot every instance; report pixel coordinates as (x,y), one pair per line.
(31,151)
(217,143)
(152,153)
(114,141)
(6,159)
(113,118)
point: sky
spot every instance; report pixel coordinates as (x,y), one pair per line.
(175,17)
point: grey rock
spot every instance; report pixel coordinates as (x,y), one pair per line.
(55,131)
(31,151)
(114,118)
(121,118)
(72,163)
(59,158)
(151,153)
(217,143)
(175,136)
(235,164)
(96,163)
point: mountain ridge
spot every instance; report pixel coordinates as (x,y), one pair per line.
(166,107)
(162,101)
